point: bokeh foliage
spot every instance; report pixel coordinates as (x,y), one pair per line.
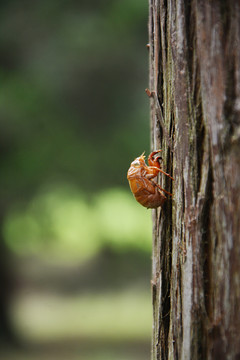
(73,113)
(61,223)
(72,101)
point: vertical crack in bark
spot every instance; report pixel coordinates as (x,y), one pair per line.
(200,136)
(206,251)
(190,34)
(166,264)
(165,32)
(230,115)
(183,193)
(162,59)
(172,126)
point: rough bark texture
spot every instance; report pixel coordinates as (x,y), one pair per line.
(195,70)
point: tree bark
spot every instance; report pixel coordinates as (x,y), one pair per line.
(195,72)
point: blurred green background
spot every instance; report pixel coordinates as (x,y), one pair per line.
(75,259)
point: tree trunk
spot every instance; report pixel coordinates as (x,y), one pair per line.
(8,337)
(195,74)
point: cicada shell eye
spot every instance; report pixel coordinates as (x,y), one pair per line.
(136,163)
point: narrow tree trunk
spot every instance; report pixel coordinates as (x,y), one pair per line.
(8,336)
(195,72)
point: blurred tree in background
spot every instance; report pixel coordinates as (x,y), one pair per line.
(73,115)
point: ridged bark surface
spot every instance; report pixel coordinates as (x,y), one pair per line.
(195,71)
